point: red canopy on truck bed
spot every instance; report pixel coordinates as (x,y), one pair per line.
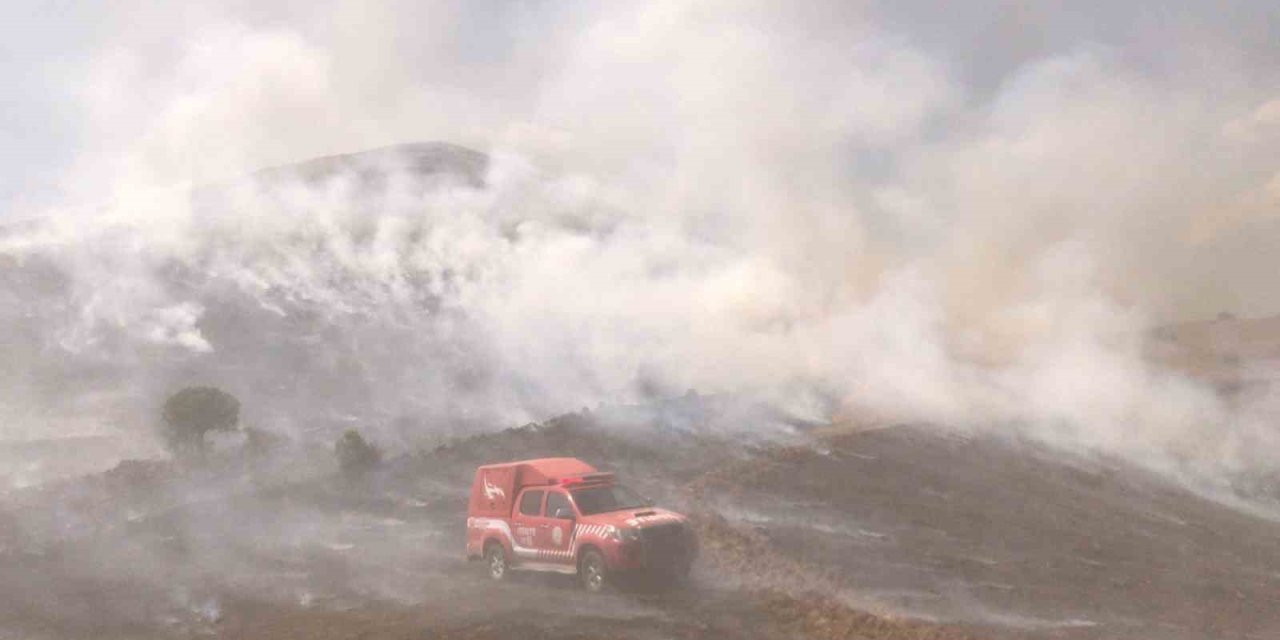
(496,485)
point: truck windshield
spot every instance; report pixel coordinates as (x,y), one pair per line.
(593,500)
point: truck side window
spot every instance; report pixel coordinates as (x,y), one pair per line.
(531,503)
(557,500)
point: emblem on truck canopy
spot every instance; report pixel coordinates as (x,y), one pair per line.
(492,491)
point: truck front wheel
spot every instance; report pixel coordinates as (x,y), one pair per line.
(495,558)
(592,571)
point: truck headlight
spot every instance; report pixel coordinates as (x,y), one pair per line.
(626,534)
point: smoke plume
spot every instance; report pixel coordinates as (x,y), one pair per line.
(829,206)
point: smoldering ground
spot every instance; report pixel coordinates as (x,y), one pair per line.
(159,549)
(904,520)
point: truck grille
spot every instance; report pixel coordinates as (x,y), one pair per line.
(665,544)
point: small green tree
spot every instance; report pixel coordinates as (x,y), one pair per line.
(194,411)
(355,455)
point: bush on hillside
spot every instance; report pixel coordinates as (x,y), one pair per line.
(355,455)
(193,412)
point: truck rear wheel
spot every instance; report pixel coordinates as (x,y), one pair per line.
(592,571)
(495,560)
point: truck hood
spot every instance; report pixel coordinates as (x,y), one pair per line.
(639,517)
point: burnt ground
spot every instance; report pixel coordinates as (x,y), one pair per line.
(1006,534)
(906,532)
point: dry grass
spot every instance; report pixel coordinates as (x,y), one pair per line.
(800,600)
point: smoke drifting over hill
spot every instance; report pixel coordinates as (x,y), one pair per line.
(821,206)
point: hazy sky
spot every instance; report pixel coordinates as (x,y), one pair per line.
(50,47)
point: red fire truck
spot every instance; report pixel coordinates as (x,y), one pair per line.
(564,516)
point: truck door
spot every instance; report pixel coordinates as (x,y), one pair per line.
(525,523)
(556,533)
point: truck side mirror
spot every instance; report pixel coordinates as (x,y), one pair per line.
(563,513)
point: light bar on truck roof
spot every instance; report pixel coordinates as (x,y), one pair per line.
(587,478)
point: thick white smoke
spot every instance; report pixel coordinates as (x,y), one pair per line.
(811,204)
